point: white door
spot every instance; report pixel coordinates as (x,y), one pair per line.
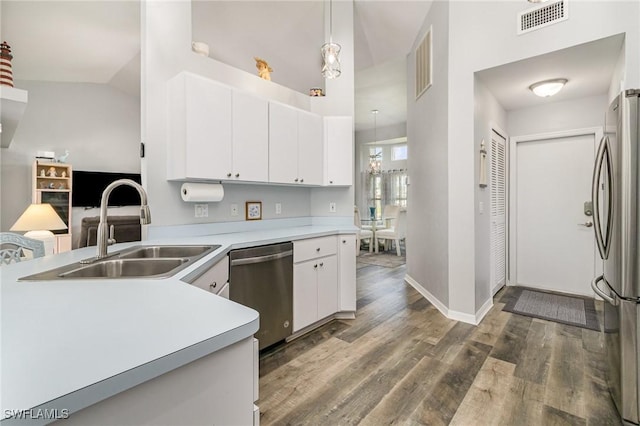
(498,255)
(555,247)
(283,144)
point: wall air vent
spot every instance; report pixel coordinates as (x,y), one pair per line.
(424,58)
(542,16)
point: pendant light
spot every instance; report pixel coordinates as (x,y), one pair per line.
(375,165)
(330,52)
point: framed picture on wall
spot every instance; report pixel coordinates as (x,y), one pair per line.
(253,210)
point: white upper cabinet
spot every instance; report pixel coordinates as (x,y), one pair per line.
(283,144)
(310,149)
(199,143)
(338,151)
(250,138)
(295,146)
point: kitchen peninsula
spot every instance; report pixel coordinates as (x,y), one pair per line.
(143,351)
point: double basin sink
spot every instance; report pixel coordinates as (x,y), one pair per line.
(154,261)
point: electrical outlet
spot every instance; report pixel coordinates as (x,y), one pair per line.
(332,208)
(278,208)
(202,210)
(234,210)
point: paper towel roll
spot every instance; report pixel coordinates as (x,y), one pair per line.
(201,192)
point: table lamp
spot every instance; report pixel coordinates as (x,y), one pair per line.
(39,220)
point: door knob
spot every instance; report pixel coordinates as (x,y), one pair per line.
(588,224)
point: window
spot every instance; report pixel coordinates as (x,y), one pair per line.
(399,152)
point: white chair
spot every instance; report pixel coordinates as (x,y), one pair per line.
(396,233)
(362,234)
(12,247)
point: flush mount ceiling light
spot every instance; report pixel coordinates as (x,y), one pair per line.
(330,52)
(548,88)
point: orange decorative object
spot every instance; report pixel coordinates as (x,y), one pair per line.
(264,70)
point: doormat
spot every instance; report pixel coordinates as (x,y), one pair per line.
(387,260)
(571,310)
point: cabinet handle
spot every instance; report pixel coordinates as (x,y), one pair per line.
(237,175)
(228,174)
(301,180)
(296,179)
(318,249)
(315,266)
(321,264)
(344,241)
(214,285)
(330,181)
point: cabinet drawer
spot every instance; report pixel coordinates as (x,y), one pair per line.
(313,248)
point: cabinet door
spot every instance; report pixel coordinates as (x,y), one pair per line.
(283,144)
(208,129)
(215,278)
(338,144)
(347,273)
(305,294)
(327,286)
(310,148)
(250,138)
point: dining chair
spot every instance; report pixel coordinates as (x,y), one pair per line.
(389,213)
(362,234)
(396,233)
(12,247)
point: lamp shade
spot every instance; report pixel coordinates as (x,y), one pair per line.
(39,217)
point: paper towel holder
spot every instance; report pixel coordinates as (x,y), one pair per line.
(200,192)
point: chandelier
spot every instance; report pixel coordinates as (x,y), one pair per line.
(375,160)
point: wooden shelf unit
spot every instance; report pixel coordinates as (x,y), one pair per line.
(52,183)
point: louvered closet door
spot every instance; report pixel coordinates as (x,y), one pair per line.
(498,211)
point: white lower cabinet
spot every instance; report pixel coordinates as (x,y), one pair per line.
(215,279)
(315,281)
(347,273)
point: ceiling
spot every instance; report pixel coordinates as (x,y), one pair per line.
(99,41)
(588,67)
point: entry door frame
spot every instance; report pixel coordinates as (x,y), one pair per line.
(512,213)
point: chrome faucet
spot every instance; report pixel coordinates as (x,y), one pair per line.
(103,236)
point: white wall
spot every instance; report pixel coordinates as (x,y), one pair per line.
(573,114)
(166,50)
(427,135)
(488,113)
(98,124)
(483,35)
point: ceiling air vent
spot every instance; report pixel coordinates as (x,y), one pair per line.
(424,58)
(542,16)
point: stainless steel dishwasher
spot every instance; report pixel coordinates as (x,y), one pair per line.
(262,278)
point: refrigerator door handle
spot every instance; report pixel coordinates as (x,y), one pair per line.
(603,242)
(599,292)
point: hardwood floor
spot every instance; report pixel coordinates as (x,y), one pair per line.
(401,362)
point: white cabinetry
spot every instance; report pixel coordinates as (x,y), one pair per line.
(215,279)
(295,146)
(199,145)
(215,132)
(250,160)
(338,151)
(347,272)
(315,280)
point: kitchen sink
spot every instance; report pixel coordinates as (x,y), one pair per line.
(146,252)
(122,268)
(154,261)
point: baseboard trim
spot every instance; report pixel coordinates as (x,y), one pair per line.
(451,314)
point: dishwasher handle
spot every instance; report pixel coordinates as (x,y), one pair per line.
(261,259)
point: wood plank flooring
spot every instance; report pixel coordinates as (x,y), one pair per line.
(401,362)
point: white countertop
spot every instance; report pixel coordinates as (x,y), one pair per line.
(70,343)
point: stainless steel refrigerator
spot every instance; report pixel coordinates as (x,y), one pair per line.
(616,182)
